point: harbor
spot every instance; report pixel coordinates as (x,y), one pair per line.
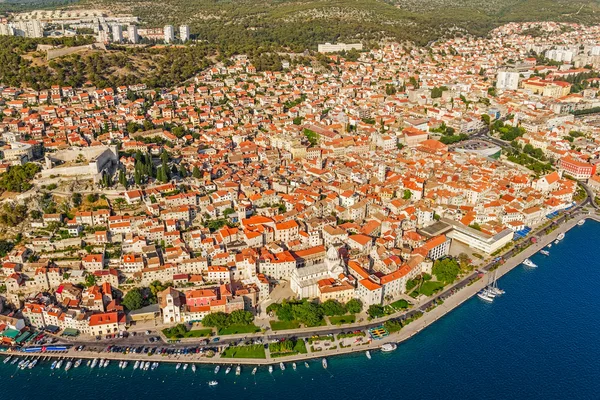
(466,341)
(453,297)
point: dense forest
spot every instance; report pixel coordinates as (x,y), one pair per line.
(237,26)
(155,66)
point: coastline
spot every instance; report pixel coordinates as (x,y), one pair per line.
(407,332)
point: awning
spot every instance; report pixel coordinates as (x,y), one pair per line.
(52,328)
(70,332)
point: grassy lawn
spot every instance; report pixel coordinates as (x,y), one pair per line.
(234,329)
(342,319)
(252,351)
(400,304)
(195,333)
(283,325)
(321,323)
(430,287)
(299,348)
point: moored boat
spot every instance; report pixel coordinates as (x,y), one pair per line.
(389,347)
(177,366)
(282,366)
(193,367)
(484,295)
(238,370)
(7,359)
(185,366)
(228,370)
(213,383)
(324,362)
(217,368)
(581,222)
(368,354)
(529,263)
(270,369)
(94,363)
(561,236)
(545,252)
(136,365)
(294,366)
(78,363)
(254,370)
(306,365)
(69,365)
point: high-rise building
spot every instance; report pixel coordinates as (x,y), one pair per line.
(169,34)
(117,33)
(132,34)
(31,29)
(184,33)
(6,30)
(507,80)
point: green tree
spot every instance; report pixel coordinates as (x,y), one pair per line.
(216,320)
(133,300)
(354,306)
(375,311)
(333,307)
(76,198)
(446,270)
(196,172)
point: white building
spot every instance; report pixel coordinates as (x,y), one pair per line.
(117,33)
(333,48)
(304,281)
(507,80)
(477,239)
(169,34)
(184,33)
(132,34)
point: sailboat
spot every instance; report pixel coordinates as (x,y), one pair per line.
(493,287)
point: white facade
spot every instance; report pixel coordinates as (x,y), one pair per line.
(132,34)
(507,80)
(169,34)
(117,33)
(184,33)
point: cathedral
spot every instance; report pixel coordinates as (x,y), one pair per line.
(304,280)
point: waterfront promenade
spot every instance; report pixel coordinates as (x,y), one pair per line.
(453,296)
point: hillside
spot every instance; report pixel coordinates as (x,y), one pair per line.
(247,24)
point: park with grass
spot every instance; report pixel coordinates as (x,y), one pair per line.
(342,319)
(283,325)
(250,351)
(287,347)
(236,322)
(181,332)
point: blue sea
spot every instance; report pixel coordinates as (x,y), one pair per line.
(541,340)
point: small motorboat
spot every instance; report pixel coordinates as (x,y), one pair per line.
(368,354)
(136,365)
(581,222)
(193,367)
(282,366)
(270,369)
(238,370)
(185,366)
(228,370)
(389,347)
(78,363)
(545,252)
(213,383)
(294,366)
(529,263)
(324,362)
(306,365)
(177,366)
(68,366)
(254,370)
(217,368)
(7,359)
(125,364)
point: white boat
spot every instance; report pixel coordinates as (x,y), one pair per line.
(483,295)
(254,370)
(213,383)
(121,364)
(68,366)
(282,366)
(136,365)
(78,363)
(238,370)
(228,370)
(106,362)
(561,236)
(177,366)
(7,359)
(32,364)
(529,263)
(125,363)
(185,366)
(94,363)
(581,222)
(217,368)
(88,362)
(25,364)
(14,361)
(147,366)
(306,365)
(193,367)
(549,245)
(545,252)
(324,362)
(59,364)
(294,366)
(368,354)
(154,366)
(389,347)
(270,369)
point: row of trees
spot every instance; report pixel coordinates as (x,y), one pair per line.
(222,320)
(311,313)
(18,178)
